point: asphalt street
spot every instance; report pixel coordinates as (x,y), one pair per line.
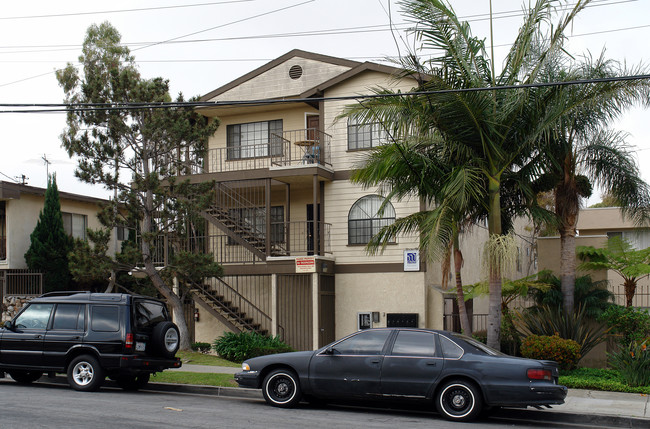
(45,405)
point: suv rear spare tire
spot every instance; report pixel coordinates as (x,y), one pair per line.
(165,339)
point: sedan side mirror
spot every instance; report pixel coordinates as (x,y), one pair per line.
(330,351)
(8,325)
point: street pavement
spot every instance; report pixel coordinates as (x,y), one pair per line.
(603,409)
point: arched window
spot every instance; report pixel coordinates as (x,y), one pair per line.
(364,219)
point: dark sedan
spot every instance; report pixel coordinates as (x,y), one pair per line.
(458,373)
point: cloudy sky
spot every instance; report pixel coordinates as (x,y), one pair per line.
(200,45)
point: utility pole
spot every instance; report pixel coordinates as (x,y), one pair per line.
(47,166)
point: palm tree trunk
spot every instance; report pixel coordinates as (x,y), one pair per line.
(494,303)
(630,289)
(568,267)
(465,326)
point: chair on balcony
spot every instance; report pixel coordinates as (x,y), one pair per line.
(311,154)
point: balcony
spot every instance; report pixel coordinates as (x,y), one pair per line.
(296,238)
(289,149)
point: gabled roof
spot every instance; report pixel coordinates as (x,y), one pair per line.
(367,66)
(14,190)
(268,66)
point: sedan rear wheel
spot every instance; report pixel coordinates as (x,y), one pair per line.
(281,388)
(459,400)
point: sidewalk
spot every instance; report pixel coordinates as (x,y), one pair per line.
(603,409)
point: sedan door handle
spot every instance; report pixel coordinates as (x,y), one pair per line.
(374,361)
(38,336)
(431,364)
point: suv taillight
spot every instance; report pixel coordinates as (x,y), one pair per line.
(128,345)
(540,374)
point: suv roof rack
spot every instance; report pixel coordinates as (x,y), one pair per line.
(65,293)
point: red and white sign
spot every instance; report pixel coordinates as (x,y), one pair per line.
(306,264)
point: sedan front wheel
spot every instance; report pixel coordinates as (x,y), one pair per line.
(459,400)
(282,389)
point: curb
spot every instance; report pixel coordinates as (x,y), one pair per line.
(537,416)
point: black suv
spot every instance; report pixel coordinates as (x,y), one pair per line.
(90,336)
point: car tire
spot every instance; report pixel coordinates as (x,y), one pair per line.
(85,374)
(25,377)
(166,339)
(281,388)
(459,400)
(132,383)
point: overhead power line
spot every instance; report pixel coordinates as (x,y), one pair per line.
(87,107)
(102,12)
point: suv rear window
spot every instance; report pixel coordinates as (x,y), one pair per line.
(148,314)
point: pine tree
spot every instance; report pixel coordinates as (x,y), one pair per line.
(50,245)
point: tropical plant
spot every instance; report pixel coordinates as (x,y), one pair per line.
(633,363)
(622,258)
(581,151)
(593,296)
(549,321)
(490,135)
(50,244)
(245,345)
(201,347)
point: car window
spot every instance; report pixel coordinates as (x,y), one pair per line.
(414,343)
(36,316)
(480,346)
(68,317)
(450,349)
(148,314)
(364,343)
(105,318)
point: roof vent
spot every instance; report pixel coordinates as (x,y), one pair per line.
(295,72)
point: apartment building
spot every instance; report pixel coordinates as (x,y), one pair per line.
(288,225)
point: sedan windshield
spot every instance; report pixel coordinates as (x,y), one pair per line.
(479,345)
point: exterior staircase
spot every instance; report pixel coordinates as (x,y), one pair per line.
(236,227)
(234,311)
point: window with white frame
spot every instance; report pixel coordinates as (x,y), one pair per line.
(254,139)
(366,218)
(75,224)
(365,136)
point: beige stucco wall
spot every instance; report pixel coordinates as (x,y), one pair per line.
(382,292)
(600,220)
(22,216)
(208,328)
(548,249)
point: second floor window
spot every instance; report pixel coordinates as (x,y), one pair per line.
(254,139)
(365,136)
(75,224)
(365,221)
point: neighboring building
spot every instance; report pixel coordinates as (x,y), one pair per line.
(20,206)
(288,225)
(595,226)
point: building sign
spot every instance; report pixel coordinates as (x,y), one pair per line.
(306,264)
(412,260)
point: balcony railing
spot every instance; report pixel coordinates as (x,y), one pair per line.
(290,148)
(287,239)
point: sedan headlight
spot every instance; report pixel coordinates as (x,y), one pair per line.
(245,367)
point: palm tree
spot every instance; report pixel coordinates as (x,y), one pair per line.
(582,151)
(619,256)
(492,134)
